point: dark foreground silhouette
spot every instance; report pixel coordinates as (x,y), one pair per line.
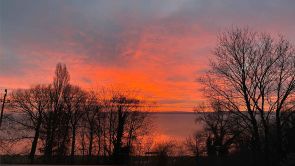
(241,160)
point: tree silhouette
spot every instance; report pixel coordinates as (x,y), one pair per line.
(31,104)
(254,72)
(221,126)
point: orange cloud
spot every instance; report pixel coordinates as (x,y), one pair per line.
(157,47)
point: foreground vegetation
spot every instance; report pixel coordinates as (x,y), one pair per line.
(60,120)
(137,161)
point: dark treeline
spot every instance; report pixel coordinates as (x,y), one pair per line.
(59,117)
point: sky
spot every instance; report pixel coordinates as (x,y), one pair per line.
(158,47)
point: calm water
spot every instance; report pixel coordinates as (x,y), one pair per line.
(177,126)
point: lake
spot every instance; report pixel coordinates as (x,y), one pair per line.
(176,126)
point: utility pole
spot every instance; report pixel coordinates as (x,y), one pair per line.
(2,109)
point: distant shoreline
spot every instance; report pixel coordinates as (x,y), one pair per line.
(172,112)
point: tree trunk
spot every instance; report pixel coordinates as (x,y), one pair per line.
(73,142)
(35,141)
(257,146)
(279,137)
(63,147)
(99,145)
(120,129)
(266,142)
(48,143)
(90,142)
(252,117)
(104,142)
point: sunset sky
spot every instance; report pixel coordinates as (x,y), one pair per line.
(158,47)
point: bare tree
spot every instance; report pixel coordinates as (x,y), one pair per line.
(74,99)
(55,126)
(222,127)
(124,105)
(93,110)
(125,121)
(253,72)
(31,104)
(163,151)
(138,125)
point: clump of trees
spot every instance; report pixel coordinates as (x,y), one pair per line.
(61,119)
(221,128)
(252,78)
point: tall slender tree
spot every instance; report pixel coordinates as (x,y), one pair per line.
(55,127)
